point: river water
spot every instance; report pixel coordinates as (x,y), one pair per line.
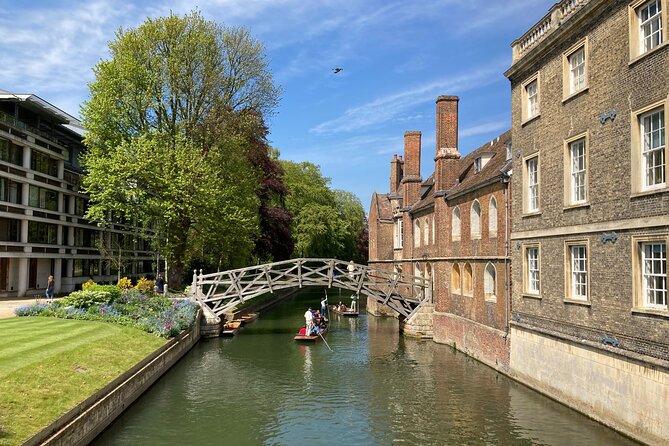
(374,388)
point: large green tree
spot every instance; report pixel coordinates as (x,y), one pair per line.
(170,119)
(326,223)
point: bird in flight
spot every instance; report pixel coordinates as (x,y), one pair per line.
(337,70)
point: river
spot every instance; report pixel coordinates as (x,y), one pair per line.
(374,388)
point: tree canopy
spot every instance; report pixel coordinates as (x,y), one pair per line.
(171,118)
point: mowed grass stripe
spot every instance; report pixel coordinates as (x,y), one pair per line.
(29,328)
(22,354)
(13,323)
(41,348)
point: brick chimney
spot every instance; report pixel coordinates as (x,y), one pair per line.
(411,178)
(447,167)
(396,170)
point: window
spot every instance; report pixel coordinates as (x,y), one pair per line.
(10,152)
(477,165)
(39,232)
(532,272)
(467,280)
(531,166)
(433,230)
(530,98)
(577,271)
(653,148)
(455,279)
(650,25)
(647,26)
(475,223)
(509,152)
(10,191)
(43,164)
(650,272)
(576,183)
(43,198)
(492,218)
(490,282)
(426,231)
(398,234)
(416,233)
(455,224)
(575,69)
(79,206)
(10,230)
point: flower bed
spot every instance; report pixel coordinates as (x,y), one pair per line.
(158,315)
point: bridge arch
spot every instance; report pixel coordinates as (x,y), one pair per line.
(223,290)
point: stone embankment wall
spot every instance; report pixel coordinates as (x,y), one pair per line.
(82,424)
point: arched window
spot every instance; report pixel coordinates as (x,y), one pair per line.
(416,233)
(455,279)
(490,282)
(426,231)
(475,220)
(492,218)
(455,224)
(433,229)
(467,282)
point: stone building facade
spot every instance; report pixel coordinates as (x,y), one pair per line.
(590,100)
(452,228)
(42,229)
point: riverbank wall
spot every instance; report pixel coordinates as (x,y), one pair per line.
(88,419)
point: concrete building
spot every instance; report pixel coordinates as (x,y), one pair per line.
(590,97)
(42,229)
(451,228)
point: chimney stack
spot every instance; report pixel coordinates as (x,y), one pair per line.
(411,178)
(396,169)
(447,166)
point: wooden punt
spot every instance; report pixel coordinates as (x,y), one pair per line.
(306,338)
(347,313)
(248,318)
(231,328)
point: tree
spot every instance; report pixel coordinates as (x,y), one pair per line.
(170,119)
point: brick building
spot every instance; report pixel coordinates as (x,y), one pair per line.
(452,228)
(42,229)
(590,97)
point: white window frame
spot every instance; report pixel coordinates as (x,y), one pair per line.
(477,165)
(475,220)
(455,223)
(577,271)
(398,234)
(650,33)
(650,274)
(577,70)
(641,152)
(576,170)
(492,218)
(532,270)
(532,184)
(530,97)
(658,131)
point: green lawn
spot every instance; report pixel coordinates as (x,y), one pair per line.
(48,365)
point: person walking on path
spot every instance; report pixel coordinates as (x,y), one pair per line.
(160,284)
(308,321)
(50,288)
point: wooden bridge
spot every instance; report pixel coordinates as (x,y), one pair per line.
(223,290)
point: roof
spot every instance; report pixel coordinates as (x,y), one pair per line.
(469,179)
(38,103)
(383,206)
(426,196)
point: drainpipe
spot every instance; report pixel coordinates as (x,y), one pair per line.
(505,181)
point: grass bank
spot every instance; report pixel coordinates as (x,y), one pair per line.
(49,365)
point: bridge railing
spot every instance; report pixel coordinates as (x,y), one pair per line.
(224,289)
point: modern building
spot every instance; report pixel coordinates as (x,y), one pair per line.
(590,104)
(42,229)
(452,228)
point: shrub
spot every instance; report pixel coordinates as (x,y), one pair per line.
(86,299)
(114,291)
(87,285)
(124,283)
(145,286)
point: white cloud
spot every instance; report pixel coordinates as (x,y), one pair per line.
(389,107)
(482,129)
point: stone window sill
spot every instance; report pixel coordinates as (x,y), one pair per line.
(645,193)
(648,53)
(532,214)
(583,303)
(531,296)
(569,207)
(576,94)
(528,120)
(650,312)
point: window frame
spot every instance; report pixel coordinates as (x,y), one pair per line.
(569,183)
(456,228)
(638,171)
(640,304)
(526,184)
(456,278)
(398,243)
(416,233)
(426,231)
(525,98)
(527,291)
(490,296)
(492,217)
(635,32)
(468,291)
(568,90)
(570,295)
(475,220)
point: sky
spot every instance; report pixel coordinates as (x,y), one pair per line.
(397,57)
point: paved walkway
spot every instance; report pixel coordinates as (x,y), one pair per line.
(7,305)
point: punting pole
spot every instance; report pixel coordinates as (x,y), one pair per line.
(326,342)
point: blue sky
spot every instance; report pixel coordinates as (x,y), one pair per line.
(397,57)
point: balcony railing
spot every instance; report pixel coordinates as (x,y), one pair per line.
(558,14)
(50,139)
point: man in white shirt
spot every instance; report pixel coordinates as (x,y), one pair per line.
(309,321)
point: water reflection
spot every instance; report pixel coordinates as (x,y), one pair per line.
(374,388)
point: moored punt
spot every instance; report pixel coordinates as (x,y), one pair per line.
(231,328)
(310,338)
(248,318)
